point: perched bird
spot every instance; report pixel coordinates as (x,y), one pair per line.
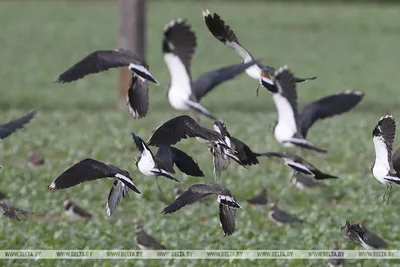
(372,241)
(145,241)
(291,127)
(335,262)
(281,217)
(8,128)
(91,169)
(179,44)
(383,137)
(75,212)
(225,34)
(11,212)
(197,191)
(2,196)
(302,181)
(353,232)
(300,165)
(102,60)
(260,199)
(147,163)
(35,159)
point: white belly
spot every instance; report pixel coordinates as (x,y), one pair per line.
(380,172)
(146,163)
(283,133)
(254,72)
(177,100)
(275,221)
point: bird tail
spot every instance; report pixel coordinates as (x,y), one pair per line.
(300,80)
(323,176)
(306,144)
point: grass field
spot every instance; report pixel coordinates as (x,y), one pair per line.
(346,46)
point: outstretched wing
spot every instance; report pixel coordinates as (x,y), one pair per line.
(138,97)
(118,191)
(227,219)
(185,163)
(8,128)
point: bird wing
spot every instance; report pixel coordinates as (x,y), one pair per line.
(327,107)
(181,127)
(209,80)
(383,138)
(148,241)
(244,153)
(164,159)
(227,219)
(218,161)
(191,195)
(122,176)
(374,240)
(185,163)
(80,211)
(118,191)
(8,128)
(396,161)
(138,97)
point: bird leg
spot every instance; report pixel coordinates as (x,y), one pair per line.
(258,89)
(388,196)
(294,173)
(384,195)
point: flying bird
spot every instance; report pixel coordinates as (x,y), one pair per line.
(372,241)
(353,232)
(335,262)
(300,165)
(11,212)
(8,128)
(281,217)
(225,34)
(91,169)
(146,241)
(260,199)
(382,169)
(302,181)
(74,211)
(291,127)
(179,45)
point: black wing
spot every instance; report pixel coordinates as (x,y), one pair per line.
(227,219)
(8,128)
(96,62)
(244,153)
(164,160)
(209,80)
(181,127)
(396,161)
(185,163)
(327,107)
(386,129)
(118,191)
(138,97)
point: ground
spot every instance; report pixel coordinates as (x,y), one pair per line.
(346,46)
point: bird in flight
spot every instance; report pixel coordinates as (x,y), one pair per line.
(10,127)
(11,212)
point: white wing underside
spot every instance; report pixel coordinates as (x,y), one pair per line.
(381,167)
(297,165)
(253,71)
(286,127)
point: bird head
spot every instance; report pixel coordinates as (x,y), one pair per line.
(139,228)
(377,131)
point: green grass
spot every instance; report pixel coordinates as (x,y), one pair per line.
(346,46)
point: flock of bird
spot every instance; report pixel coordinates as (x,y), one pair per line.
(290,129)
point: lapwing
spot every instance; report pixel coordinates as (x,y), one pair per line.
(8,128)
(372,241)
(335,262)
(225,34)
(91,169)
(137,98)
(300,165)
(291,127)
(260,199)
(383,137)
(34,159)
(11,212)
(221,158)
(280,217)
(146,241)
(118,191)
(302,181)
(198,191)
(75,212)
(178,46)
(2,196)
(353,232)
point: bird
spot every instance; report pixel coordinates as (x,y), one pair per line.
(382,169)
(198,191)
(225,34)
(353,232)
(280,217)
(372,241)
(102,60)
(147,163)
(178,46)
(260,199)
(2,196)
(90,169)
(291,127)
(137,98)
(10,127)
(145,241)
(11,212)
(335,262)
(35,159)
(74,211)
(300,165)
(302,181)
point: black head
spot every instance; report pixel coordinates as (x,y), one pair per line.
(376,131)
(138,142)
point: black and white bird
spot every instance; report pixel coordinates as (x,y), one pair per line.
(146,241)
(335,262)
(353,232)
(91,169)
(302,181)
(147,163)
(383,137)
(8,128)
(260,199)
(221,158)
(198,191)
(372,241)
(291,127)
(280,217)
(300,165)
(179,44)
(75,212)
(225,34)
(137,98)
(11,212)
